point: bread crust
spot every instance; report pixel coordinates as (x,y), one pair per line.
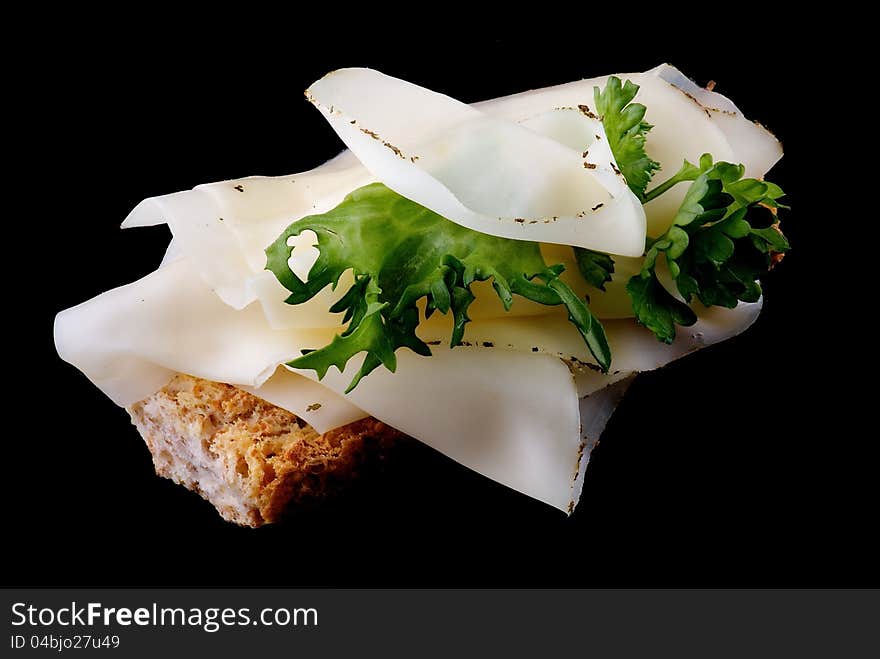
(252,460)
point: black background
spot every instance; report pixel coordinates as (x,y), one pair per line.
(744,464)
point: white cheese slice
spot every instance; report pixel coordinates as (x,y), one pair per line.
(482,172)
(596,409)
(170,321)
(511,416)
(752,144)
(682,127)
(633,348)
(224,227)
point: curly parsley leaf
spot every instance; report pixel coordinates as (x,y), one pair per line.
(626,130)
(401,252)
(656,308)
(724,236)
(595,267)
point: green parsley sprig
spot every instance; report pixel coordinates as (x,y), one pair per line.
(724,236)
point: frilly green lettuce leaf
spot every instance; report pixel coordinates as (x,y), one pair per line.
(400,252)
(595,267)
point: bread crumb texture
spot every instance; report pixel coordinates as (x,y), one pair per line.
(252,460)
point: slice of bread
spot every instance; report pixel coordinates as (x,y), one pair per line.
(251,459)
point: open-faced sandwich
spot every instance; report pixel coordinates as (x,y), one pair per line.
(484,278)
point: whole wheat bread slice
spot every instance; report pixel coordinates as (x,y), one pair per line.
(252,460)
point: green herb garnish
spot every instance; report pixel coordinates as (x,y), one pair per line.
(401,252)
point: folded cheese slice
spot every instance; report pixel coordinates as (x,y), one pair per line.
(131,340)
(495,176)
(687,122)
